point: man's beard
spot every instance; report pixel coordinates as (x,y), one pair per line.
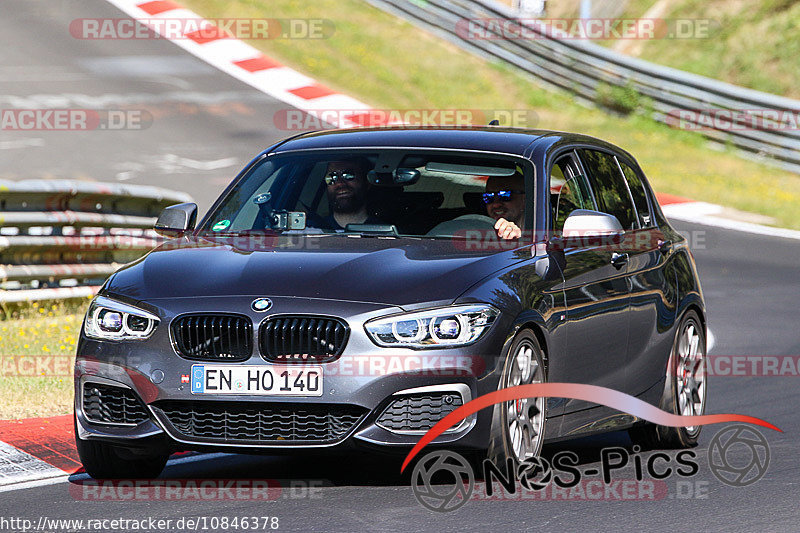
(347,204)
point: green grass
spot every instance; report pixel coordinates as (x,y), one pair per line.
(37,351)
(754,44)
(389,63)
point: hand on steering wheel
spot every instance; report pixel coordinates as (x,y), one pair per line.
(507,230)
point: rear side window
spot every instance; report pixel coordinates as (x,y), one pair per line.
(639,196)
(610,188)
(568,191)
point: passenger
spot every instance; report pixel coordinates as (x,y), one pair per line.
(505,202)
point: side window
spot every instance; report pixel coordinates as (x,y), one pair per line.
(610,188)
(638,193)
(568,191)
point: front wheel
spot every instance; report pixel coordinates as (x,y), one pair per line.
(522,421)
(685,389)
(107,461)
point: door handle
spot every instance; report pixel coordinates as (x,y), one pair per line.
(663,246)
(619,260)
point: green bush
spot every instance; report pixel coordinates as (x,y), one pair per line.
(623,99)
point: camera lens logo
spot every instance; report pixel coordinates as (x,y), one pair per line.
(738,455)
(442,481)
(534,473)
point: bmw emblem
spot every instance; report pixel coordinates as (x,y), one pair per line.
(261,304)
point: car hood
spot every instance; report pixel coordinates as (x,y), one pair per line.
(393,271)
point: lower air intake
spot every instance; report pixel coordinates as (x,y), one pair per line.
(419,412)
(107,404)
(259,423)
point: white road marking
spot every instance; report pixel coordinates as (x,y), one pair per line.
(113,100)
(173,163)
(21,143)
(146,66)
(37,483)
(706,214)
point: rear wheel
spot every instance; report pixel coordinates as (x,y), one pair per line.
(521,421)
(685,389)
(107,461)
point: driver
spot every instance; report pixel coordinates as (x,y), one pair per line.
(346,187)
(505,202)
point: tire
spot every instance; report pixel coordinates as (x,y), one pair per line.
(519,433)
(107,461)
(686,377)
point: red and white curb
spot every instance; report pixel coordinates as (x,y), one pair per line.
(22,470)
(245,63)
(41,451)
(709,214)
(36,451)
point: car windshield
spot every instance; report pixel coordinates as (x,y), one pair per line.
(382,192)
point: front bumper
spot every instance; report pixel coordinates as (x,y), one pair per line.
(364,377)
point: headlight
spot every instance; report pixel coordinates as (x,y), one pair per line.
(109,319)
(448,326)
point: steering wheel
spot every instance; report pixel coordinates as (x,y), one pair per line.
(450,228)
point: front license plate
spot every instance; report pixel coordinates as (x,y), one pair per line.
(274,380)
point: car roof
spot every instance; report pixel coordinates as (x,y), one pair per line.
(512,141)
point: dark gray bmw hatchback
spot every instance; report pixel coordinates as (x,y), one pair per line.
(351,288)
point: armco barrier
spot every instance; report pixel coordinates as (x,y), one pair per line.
(581,67)
(62,238)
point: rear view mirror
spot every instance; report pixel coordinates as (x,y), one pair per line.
(585,228)
(176,220)
(399,176)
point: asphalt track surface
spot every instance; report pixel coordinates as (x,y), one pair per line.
(751,283)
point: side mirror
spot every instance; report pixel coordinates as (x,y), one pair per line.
(176,220)
(584,228)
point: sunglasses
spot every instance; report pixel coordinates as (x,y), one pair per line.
(335,175)
(501,196)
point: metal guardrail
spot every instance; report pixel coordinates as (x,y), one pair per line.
(581,68)
(62,238)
